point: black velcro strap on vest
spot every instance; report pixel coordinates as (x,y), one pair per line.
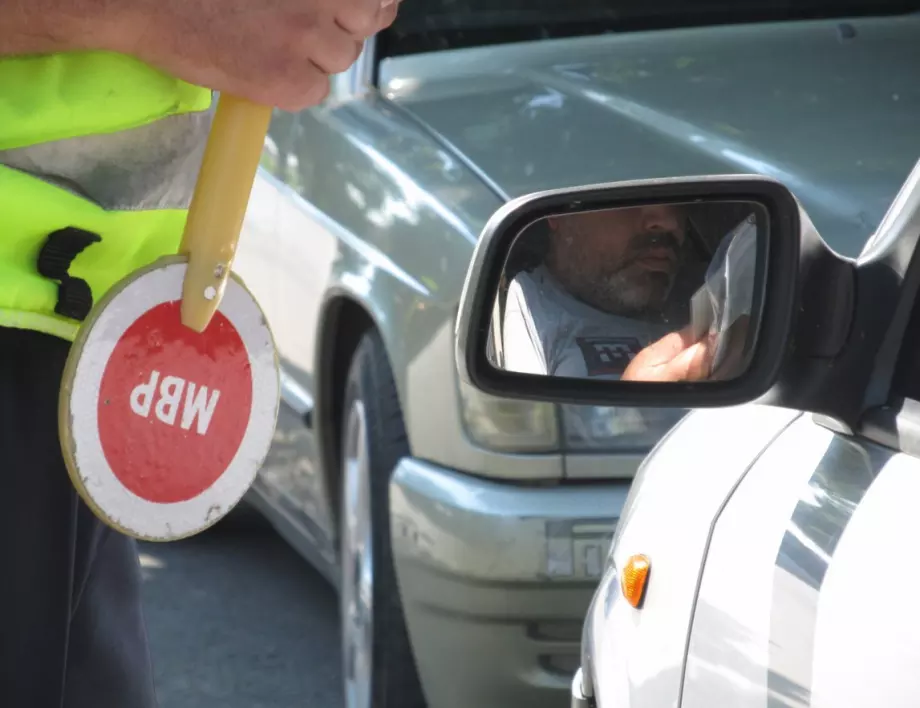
(75,298)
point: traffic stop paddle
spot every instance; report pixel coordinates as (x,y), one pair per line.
(170,393)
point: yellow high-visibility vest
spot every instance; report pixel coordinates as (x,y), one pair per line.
(99,154)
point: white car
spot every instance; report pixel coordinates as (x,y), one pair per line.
(766,555)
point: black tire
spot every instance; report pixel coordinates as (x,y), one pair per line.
(394,678)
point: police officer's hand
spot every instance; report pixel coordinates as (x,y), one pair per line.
(674,357)
(275,52)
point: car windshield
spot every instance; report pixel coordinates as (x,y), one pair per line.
(432,25)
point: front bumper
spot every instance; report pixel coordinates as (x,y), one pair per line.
(495,580)
(579,699)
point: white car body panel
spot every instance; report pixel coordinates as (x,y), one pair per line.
(727,661)
(677,495)
(867,647)
(783,577)
(808,595)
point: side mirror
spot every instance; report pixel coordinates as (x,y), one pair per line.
(657,293)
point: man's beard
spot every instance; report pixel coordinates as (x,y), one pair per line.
(630,289)
(627,292)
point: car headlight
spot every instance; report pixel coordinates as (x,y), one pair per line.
(601,429)
(509,426)
(506,425)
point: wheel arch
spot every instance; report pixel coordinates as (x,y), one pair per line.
(344,320)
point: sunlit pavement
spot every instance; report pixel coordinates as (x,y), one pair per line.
(237,619)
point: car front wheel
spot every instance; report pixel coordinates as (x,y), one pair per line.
(377,662)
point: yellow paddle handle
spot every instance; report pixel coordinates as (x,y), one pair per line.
(215,217)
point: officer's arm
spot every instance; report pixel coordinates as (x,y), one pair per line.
(44,27)
(274,52)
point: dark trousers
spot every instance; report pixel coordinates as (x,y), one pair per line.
(72,631)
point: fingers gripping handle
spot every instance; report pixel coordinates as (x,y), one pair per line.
(219,203)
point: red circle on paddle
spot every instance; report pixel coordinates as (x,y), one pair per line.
(174,404)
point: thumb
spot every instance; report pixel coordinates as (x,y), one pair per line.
(692,364)
(667,348)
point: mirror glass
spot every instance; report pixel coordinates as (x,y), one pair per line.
(657,292)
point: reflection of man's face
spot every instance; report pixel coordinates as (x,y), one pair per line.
(621,261)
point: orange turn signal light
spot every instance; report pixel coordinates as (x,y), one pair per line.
(634,579)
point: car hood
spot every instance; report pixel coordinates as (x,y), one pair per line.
(829,108)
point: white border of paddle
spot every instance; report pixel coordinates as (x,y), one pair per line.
(134,515)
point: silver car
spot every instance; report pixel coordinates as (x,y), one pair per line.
(465,532)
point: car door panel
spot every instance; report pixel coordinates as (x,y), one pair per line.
(272,260)
(289,489)
(370,208)
(320,256)
(336,226)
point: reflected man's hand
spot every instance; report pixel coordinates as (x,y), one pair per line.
(674,357)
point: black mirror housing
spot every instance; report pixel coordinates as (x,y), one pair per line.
(779,292)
